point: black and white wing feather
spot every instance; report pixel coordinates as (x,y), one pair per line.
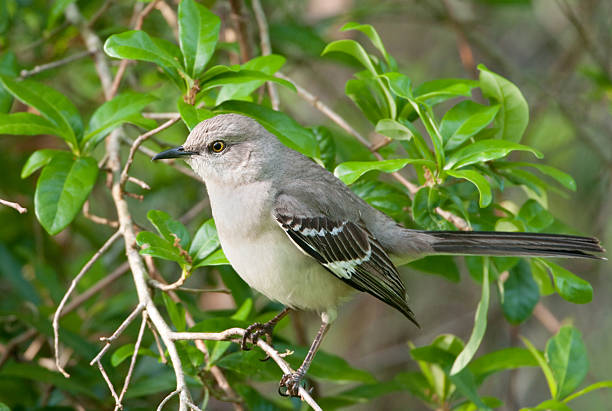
(351,253)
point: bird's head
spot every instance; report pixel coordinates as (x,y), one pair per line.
(228,148)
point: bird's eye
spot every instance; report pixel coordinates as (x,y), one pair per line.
(217,146)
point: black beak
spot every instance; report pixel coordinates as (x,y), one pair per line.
(176,152)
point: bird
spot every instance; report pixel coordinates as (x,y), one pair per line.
(298,235)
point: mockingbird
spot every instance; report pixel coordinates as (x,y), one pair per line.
(300,236)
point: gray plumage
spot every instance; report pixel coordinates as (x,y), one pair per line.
(297,234)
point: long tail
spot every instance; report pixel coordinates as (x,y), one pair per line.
(514,244)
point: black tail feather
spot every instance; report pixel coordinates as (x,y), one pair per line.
(497,243)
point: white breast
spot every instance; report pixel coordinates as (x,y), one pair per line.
(265,257)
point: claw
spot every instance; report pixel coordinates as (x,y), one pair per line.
(289,385)
(256,331)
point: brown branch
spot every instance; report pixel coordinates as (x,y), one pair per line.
(54,64)
(128,377)
(108,382)
(16,206)
(73,285)
(546,318)
(97,219)
(241,29)
(14,343)
(108,340)
(266,49)
(124,174)
(463,45)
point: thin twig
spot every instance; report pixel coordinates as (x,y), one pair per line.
(14,343)
(138,142)
(546,318)
(166,399)
(266,49)
(139,183)
(128,377)
(16,206)
(73,285)
(241,29)
(54,64)
(108,382)
(169,15)
(172,286)
(160,116)
(139,308)
(97,219)
(157,342)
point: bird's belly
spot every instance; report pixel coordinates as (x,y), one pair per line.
(271,264)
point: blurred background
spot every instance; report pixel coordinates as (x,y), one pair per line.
(558,52)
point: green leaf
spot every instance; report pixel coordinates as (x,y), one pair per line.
(552,385)
(350,171)
(328,367)
(562,178)
(372,34)
(366,93)
(169,228)
(269,65)
(32,372)
(443,265)
(198,35)
(541,277)
(176,312)
(393,129)
(480,326)
(126,351)
(12,274)
(38,159)
(27,124)
(567,357)
(112,114)
(586,390)
(481,183)
(569,286)
(8,67)
(550,405)
(388,198)
(241,76)
(485,150)
(520,293)
(501,360)
(362,394)
(62,188)
(191,115)
(514,113)
(138,45)
(51,104)
(220,347)
(204,242)
(327,146)
(436,91)
(288,131)
(158,247)
(536,217)
(463,121)
(216,258)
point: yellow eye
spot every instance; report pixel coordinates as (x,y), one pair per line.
(217,146)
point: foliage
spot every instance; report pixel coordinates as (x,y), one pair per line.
(461,140)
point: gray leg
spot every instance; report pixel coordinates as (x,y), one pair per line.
(256,330)
(290,383)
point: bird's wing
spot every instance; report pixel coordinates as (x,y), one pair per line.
(349,251)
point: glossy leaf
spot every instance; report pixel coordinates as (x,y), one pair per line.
(372,34)
(265,64)
(393,129)
(176,311)
(38,159)
(480,326)
(463,121)
(520,293)
(567,357)
(216,258)
(350,171)
(198,35)
(569,286)
(443,265)
(536,217)
(27,124)
(354,49)
(549,405)
(504,359)
(561,177)
(191,115)
(485,150)
(541,277)
(8,67)
(169,228)
(436,91)
(365,92)
(481,183)
(62,188)
(588,389)
(51,104)
(327,146)
(126,351)
(138,45)
(112,114)
(242,76)
(205,241)
(514,113)
(57,9)
(288,131)
(155,246)
(552,384)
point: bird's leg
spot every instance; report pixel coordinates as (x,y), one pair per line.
(256,330)
(290,383)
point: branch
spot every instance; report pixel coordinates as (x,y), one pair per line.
(55,64)
(139,308)
(73,285)
(266,49)
(16,206)
(241,29)
(97,219)
(227,335)
(128,377)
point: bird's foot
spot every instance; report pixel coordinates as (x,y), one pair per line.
(289,385)
(255,331)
